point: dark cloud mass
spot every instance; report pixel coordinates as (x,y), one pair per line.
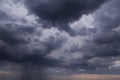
(61,12)
(106,40)
(61,36)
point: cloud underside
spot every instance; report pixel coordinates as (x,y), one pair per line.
(60,13)
(40,31)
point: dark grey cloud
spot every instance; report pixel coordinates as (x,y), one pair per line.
(3,16)
(103,49)
(93,47)
(15,42)
(106,40)
(104,45)
(60,13)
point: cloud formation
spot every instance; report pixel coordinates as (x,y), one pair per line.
(95,25)
(60,13)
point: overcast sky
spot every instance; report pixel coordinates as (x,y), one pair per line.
(63,36)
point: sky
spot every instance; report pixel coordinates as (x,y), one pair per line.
(60,39)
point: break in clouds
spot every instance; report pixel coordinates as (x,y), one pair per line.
(81,35)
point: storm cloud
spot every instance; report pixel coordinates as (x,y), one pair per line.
(38,33)
(59,13)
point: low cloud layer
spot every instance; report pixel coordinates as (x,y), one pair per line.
(36,32)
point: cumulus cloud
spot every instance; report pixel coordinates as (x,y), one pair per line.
(61,12)
(94,46)
(106,40)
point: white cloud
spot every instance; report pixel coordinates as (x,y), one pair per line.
(116,64)
(86,21)
(17,11)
